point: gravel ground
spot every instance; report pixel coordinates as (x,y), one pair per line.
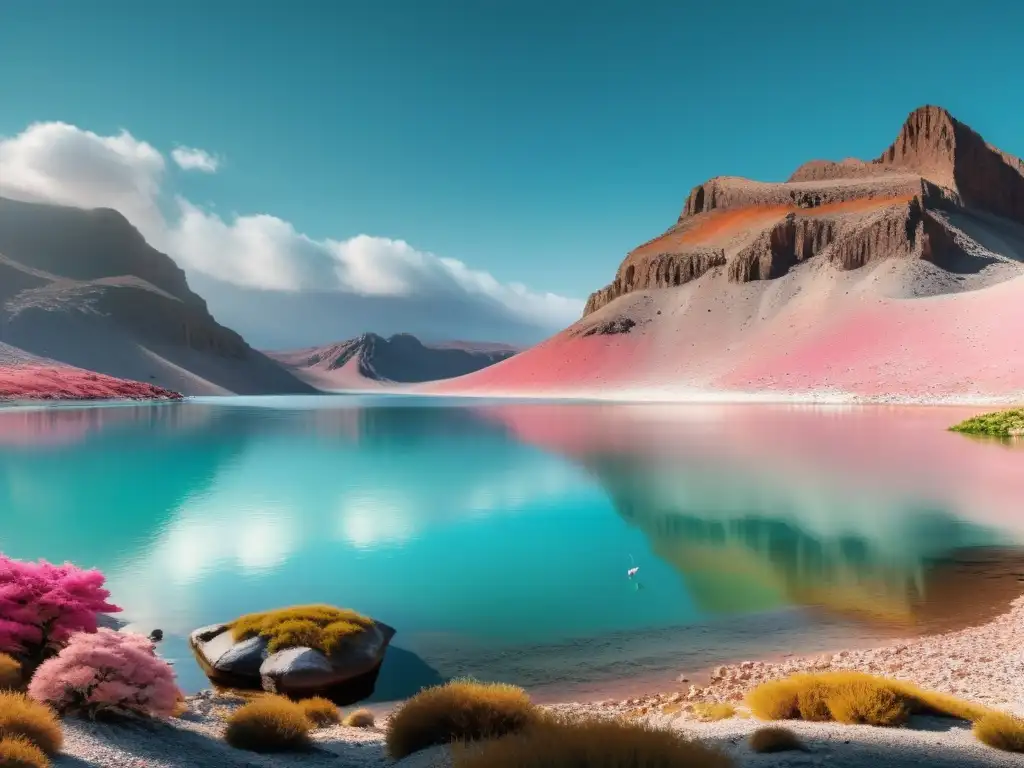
(985,664)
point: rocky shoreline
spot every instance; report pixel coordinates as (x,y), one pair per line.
(983,663)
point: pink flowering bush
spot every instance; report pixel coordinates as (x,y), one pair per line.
(42,605)
(107,673)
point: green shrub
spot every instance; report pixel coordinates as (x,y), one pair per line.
(554,743)
(1002,731)
(10,673)
(461,710)
(360,718)
(322,627)
(320,712)
(853,697)
(269,724)
(20,716)
(19,752)
(775,739)
(998,424)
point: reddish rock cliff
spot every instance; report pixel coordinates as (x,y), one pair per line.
(852,212)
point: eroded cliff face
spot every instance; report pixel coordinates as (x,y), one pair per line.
(852,212)
(938,147)
(664,270)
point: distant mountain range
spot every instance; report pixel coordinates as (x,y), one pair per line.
(82,293)
(370,360)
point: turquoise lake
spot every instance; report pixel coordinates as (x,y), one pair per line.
(496,536)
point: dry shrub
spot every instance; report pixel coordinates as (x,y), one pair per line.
(593,743)
(10,673)
(321,712)
(1001,730)
(19,752)
(322,627)
(20,716)
(714,710)
(269,724)
(775,739)
(461,710)
(853,697)
(360,718)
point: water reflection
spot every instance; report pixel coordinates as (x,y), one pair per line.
(858,511)
(496,537)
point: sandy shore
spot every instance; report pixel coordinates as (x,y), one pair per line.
(983,663)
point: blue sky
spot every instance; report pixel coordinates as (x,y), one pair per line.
(535,140)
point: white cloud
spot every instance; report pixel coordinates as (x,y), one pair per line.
(192,159)
(61,163)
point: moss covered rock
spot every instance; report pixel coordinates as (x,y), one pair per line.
(301,651)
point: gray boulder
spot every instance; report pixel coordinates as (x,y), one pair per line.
(346,676)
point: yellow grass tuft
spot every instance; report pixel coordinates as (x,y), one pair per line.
(19,752)
(1001,730)
(269,724)
(775,739)
(322,627)
(360,718)
(321,712)
(712,711)
(20,716)
(853,697)
(462,710)
(556,743)
(10,673)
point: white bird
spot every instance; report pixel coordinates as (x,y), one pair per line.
(632,571)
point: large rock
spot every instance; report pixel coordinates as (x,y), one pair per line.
(853,212)
(345,677)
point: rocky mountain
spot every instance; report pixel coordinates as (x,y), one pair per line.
(83,288)
(898,276)
(369,360)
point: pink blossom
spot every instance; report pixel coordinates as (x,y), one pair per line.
(107,672)
(42,605)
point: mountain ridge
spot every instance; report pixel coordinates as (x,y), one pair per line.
(83,288)
(881,279)
(370,359)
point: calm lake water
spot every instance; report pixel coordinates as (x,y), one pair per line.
(496,536)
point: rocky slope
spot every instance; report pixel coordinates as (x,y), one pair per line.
(370,360)
(83,288)
(881,278)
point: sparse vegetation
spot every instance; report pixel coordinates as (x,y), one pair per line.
(1001,731)
(321,712)
(1003,424)
(852,698)
(22,717)
(10,673)
(322,627)
(714,710)
(775,739)
(19,752)
(461,710)
(360,718)
(592,743)
(269,724)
